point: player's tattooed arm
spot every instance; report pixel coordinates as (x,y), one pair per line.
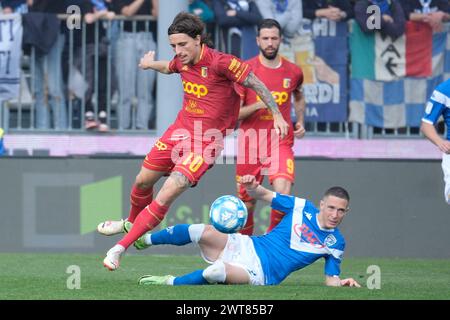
(261,90)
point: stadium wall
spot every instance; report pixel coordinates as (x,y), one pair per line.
(54,204)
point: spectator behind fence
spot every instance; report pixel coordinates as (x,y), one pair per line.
(130,47)
(244,16)
(204,10)
(392,21)
(336,10)
(288,13)
(432,12)
(201,9)
(43,31)
(93,10)
(14,6)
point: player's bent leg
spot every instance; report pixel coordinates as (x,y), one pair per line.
(212,243)
(154,213)
(142,191)
(144,181)
(236,274)
(175,185)
(215,273)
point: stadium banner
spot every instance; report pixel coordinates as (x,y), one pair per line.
(11,52)
(41,145)
(379,57)
(321,50)
(400,101)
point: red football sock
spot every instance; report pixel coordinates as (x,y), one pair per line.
(148,219)
(248,228)
(275,218)
(139,199)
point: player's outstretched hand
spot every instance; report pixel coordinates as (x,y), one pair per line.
(249,182)
(280,125)
(350,282)
(147,60)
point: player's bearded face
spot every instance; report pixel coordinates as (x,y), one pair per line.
(186,48)
(269,42)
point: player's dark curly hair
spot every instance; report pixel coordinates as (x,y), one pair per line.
(191,25)
(338,192)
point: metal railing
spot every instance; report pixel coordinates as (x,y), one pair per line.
(19,115)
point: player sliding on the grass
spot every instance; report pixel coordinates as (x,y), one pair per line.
(191,144)
(304,235)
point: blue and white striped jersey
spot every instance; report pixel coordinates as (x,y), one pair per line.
(297,241)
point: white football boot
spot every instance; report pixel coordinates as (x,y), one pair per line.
(112,259)
(110,228)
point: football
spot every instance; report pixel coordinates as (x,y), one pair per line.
(228,214)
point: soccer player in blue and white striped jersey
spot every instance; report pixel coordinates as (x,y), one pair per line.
(304,235)
(439,105)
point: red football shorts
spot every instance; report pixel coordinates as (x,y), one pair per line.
(174,152)
(279,167)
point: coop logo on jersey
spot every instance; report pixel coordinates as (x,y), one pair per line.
(279,97)
(195,89)
(286,83)
(204,72)
(330,240)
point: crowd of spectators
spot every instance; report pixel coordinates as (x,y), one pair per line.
(232,21)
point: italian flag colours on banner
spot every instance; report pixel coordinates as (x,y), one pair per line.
(378,57)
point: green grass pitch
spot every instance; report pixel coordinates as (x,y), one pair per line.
(45,276)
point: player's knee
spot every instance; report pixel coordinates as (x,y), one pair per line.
(215,273)
(196,232)
(284,188)
(142,182)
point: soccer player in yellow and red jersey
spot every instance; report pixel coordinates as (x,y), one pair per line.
(284,79)
(191,144)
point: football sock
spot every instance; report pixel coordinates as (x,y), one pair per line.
(148,219)
(192,278)
(139,199)
(275,218)
(178,235)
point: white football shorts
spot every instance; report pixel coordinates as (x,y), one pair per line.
(446,170)
(239,251)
